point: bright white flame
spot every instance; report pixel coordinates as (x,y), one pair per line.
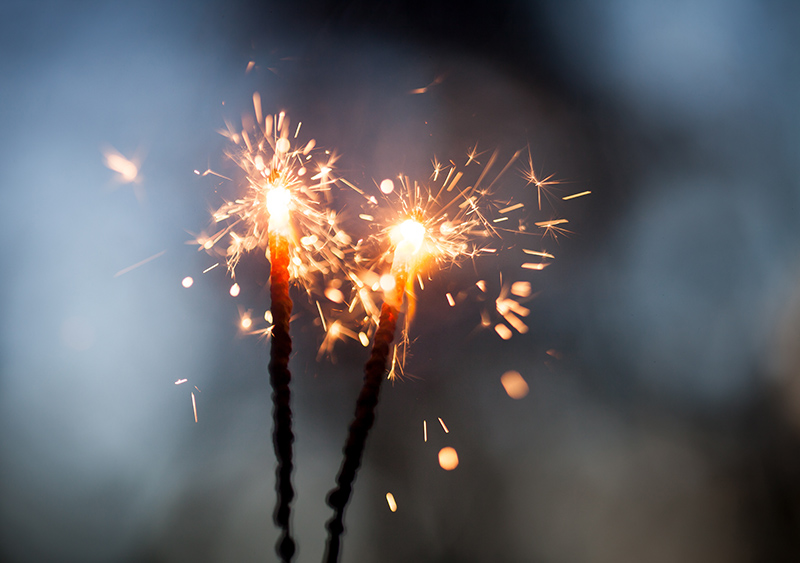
(235,290)
(387,282)
(408,237)
(278,200)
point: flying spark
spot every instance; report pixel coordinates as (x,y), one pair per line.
(142,263)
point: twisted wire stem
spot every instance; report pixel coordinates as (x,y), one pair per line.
(280,377)
(374,371)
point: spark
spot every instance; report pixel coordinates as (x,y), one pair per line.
(551,227)
(142,263)
(210,268)
(194,406)
(450,299)
(448,458)
(573,196)
(535,265)
(387,186)
(235,289)
(551,223)
(473,154)
(542,185)
(390,500)
(514,384)
(127,170)
(424,430)
(187,282)
(246,321)
(503,331)
(538,253)
(521,289)
(511,208)
(423,90)
(211,172)
(554,354)
(180,381)
(444,427)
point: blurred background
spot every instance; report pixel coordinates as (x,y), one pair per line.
(664,424)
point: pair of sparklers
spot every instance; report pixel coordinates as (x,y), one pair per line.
(288,211)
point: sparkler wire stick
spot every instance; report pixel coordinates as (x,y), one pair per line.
(374,371)
(406,257)
(280,377)
(287,210)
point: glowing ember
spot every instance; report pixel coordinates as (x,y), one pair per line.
(514,384)
(390,500)
(187,282)
(448,458)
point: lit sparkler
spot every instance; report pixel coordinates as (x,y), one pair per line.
(430,227)
(285,211)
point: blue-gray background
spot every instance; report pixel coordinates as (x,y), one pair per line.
(668,431)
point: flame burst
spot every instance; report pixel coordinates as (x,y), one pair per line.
(427,227)
(288,193)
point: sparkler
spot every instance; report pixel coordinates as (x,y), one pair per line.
(285,211)
(430,228)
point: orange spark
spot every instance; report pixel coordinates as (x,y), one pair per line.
(448,458)
(390,500)
(514,384)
